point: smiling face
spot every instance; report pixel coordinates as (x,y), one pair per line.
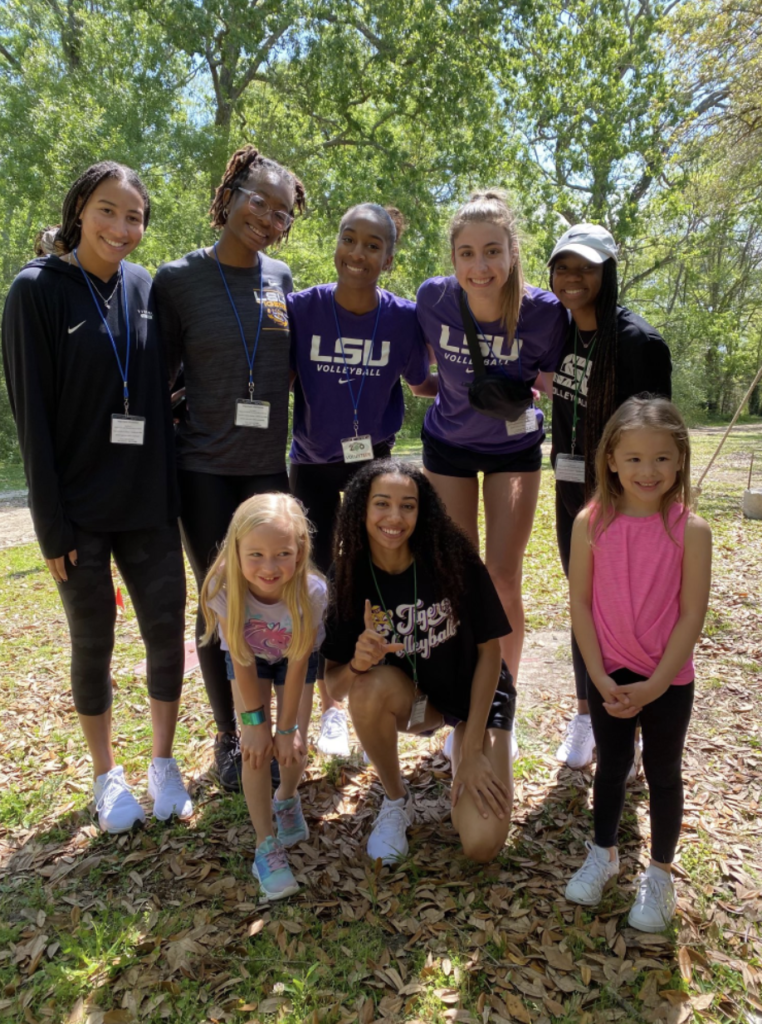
(246,231)
(482,259)
(363,251)
(391,513)
(647,462)
(576,282)
(269,556)
(112,226)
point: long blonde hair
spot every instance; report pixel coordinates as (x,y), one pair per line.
(491,207)
(225,574)
(636,414)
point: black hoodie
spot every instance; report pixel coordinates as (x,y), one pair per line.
(64,385)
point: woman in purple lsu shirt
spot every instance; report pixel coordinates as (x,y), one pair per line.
(523,331)
(350,344)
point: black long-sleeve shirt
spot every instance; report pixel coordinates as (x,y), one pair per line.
(643,363)
(64,385)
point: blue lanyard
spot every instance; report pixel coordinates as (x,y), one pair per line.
(355,401)
(503,370)
(123,370)
(249,358)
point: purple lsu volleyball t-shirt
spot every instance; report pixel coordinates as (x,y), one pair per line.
(323,407)
(540,336)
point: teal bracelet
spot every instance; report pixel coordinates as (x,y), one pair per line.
(288,732)
(257,717)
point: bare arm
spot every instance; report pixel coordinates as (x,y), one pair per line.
(544,382)
(694,598)
(430,387)
(581,604)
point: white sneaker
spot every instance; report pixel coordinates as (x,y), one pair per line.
(388,840)
(165,785)
(117,808)
(334,733)
(579,743)
(448,744)
(638,760)
(655,902)
(587,885)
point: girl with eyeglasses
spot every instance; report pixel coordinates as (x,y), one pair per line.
(222,313)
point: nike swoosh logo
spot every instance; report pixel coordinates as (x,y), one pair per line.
(73,329)
(345,381)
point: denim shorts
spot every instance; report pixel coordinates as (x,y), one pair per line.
(276,671)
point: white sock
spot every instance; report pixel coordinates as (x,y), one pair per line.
(659,873)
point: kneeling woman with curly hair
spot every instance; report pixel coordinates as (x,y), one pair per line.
(413,637)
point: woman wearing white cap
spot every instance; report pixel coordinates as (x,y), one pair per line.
(610,355)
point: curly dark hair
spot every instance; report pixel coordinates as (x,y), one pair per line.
(601,389)
(440,547)
(241,165)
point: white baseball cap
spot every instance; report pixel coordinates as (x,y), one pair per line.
(591,241)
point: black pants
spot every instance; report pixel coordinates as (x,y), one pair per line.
(564,523)
(208,504)
(664,723)
(151,564)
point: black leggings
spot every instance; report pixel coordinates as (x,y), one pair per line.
(564,523)
(151,564)
(319,486)
(208,504)
(665,725)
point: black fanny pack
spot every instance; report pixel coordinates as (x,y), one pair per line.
(494,395)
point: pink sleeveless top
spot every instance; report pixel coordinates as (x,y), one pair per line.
(637,576)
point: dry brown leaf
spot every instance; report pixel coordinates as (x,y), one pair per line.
(516,1008)
(674,996)
(118,1017)
(686,965)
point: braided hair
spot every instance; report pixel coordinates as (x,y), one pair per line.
(439,546)
(65,237)
(601,389)
(241,165)
(392,219)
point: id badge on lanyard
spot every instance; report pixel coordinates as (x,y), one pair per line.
(418,710)
(357,449)
(251,413)
(525,424)
(360,447)
(126,429)
(570,468)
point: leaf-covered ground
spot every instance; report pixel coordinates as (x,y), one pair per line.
(165,923)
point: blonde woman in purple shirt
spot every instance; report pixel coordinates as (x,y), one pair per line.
(521,330)
(350,344)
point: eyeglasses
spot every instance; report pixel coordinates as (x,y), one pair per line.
(260,208)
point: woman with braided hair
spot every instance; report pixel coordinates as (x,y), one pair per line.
(222,313)
(413,635)
(610,355)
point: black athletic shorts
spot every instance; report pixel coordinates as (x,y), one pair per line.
(447,460)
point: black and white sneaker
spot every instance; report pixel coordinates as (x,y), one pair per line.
(227,761)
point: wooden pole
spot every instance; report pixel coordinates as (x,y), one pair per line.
(732,423)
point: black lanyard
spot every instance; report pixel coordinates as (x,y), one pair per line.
(412,662)
(579,384)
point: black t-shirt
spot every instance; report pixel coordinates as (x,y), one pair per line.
(64,385)
(447,647)
(643,364)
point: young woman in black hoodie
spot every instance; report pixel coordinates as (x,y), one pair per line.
(87,386)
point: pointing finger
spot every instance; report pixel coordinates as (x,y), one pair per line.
(368,615)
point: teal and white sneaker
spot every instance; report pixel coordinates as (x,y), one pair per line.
(271,870)
(289,819)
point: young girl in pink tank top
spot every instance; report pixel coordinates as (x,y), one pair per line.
(639,580)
